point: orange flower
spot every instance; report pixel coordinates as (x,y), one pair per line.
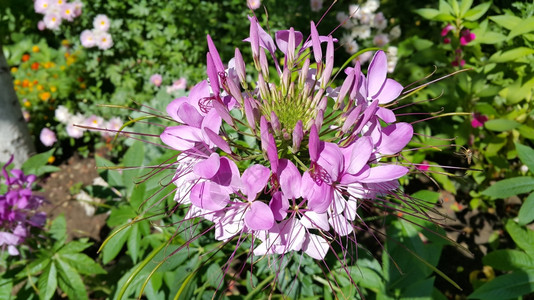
(25,57)
(25,83)
(45,96)
(35,48)
(35,66)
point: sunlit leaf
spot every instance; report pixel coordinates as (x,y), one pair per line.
(510,187)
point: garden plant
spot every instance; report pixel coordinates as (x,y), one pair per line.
(247,149)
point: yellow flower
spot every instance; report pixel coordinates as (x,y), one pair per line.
(27,103)
(62,68)
(40,87)
(45,96)
(16,82)
(35,48)
(14,69)
(83,85)
(53,89)
(51,159)
(65,42)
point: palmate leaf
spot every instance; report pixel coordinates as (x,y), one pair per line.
(70,281)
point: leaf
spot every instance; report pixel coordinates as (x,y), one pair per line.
(47,282)
(508,260)
(501,125)
(476,12)
(464,7)
(507,21)
(215,276)
(526,131)
(70,281)
(511,55)
(445,7)
(83,263)
(75,246)
(427,13)
(115,245)
(367,277)
(526,25)
(526,155)
(526,212)
(510,187)
(506,286)
(134,242)
(134,157)
(35,164)
(112,177)
(58,229)
(523,237)
(488,37)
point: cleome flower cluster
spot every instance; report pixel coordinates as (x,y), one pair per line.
(287,159)
(17,209)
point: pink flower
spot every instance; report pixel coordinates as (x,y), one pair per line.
(41,25)
(103,40)
(466,37)
(253,4)
(423,166)
(446,30)
(101,23)
(41,6)
(47,137)
(156,79)
(478,120)
(52,20)
(446,40)
(87,38)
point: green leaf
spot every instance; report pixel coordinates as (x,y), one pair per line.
(464,7)
(70,281)
(112,177)
(476,12)
(75,246)
(35,164)
(526,155)
(510,187)
(134,242)
(526,131)
(526,212)
(47,282)
(215,276)
(445,7)
(83,263)
(115,245)
(511,55)
(523,237)
(526,25)
(489,37)
(427,13)
(58,229)
(367,277)
(506,286)
(501,125)
(134,157)
(508,260)
(455,7)
(507,21)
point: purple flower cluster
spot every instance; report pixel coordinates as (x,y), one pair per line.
(17,209)
(286,162)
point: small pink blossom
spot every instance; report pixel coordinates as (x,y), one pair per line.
(103,40)
(41,6)
(101,23)
(446,40)
(446,30)
(87,38)
(478,120)
(316,5)
(467,37)
(156,79)
(47,137)
(52,21)
(253,4)
(423,166)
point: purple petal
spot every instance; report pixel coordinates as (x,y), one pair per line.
(340,225)
(217,140)
(259,216)
(213,121)
(249,113)
(210,196)
(212,74)
(209,167)
(254,37)
(223,112)
(172,108)
(346,86)
(385,173)
(189,115)
(254,179)
(359,156)
(395,137)
(298,134)
(376,74)
(239,65)
(200,91)
(313,143)
(289,178)
(279,206)
(215,55)
(318,197)
(317,51)
(181,137)
(272,153)
(331,160)
(352,118)
(390,91)
(387,115)
(282,39)
(315,246)
(264,133)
